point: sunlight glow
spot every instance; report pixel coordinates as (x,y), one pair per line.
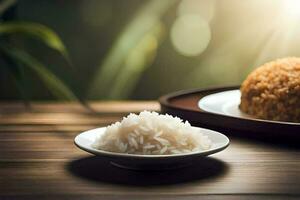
(284,40)
(292,9)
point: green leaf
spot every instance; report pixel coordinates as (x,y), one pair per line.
(147,17)
(38,31)
(52,82)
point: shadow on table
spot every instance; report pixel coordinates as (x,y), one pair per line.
(278,140)
(99,169)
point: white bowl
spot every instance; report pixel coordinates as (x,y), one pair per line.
(150,162)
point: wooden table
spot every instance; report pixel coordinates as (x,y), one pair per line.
(38,160)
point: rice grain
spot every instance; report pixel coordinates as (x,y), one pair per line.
(152,133)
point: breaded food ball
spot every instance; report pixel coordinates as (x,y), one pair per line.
(272,91)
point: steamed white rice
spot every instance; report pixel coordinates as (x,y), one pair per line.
(152,133)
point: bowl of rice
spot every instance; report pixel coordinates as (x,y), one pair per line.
(149,140)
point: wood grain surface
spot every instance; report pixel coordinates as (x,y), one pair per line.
(38,160)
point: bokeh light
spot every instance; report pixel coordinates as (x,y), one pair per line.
(190,34)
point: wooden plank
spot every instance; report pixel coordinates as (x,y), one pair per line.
(38,136)
(156,197)
(71,107)
(55,119)
(24,129)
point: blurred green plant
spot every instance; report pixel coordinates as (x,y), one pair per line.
(132,52)
(16,60)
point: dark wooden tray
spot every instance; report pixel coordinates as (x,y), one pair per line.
(184,104)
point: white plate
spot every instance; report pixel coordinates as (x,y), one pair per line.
(225,103)
(150,162)
(218,108)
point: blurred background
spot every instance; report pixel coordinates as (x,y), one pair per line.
(116,49)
